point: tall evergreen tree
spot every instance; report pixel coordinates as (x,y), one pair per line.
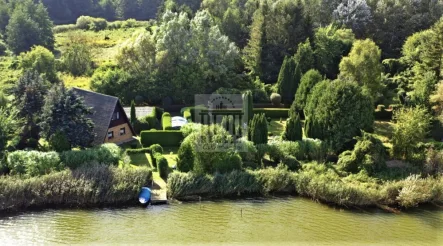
(65,113)
(305,56)
(253,51)
(133,115)
(29,94)
(248,109)
(308,81)
(288,80)
(258,129)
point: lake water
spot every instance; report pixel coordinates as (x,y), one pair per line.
(255,222)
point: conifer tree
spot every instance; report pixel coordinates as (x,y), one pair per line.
(133,114)
(293,129)
(258,129)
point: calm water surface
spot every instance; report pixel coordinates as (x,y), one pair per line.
(270,222)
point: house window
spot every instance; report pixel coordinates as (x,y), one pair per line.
(122,131)
(110,135)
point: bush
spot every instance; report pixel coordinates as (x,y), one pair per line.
(64,28)
(228,162)
(141,125)
(156,148)
(166,121)
(258,129)
(92,185)
(246,149)
(108,154)
(273,112)
(170,138)
(33,163)
(187,114)
(185,156)
(152,119)
(91,23)
(162,166)
(291,162)
(293,129)
(59,142)
(275,99)
(369,154)
(191,128)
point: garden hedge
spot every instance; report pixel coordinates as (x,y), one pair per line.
(273,112)
(166,121)
(152,119)
(170,138)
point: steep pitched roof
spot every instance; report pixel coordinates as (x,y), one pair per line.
(103,107)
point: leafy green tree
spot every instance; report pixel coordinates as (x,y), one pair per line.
(133,115)
(233,27)
(3,100)
(341,109)
(433,54)
(293,129)
(330,45)
(412,125)
(9,123)
(29,25)
(41,60)
(77,58)
(354,14)
(29,94)
(65,113)
(305,56)
(423,87)
(308,81)
(137,54)
(258,129)
(363,65)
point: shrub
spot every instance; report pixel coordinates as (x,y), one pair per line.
(275,99)
(33,163)
(156,148)
(108,154)
(258,129)
(152,119)
(91,23)
(246,149)
(434,162)
(273,112)
(187,114)
(228,162)
(64,28)
(166,121)
(92,185)
(191,128)
(162,166)
(169,138)
(185,156)
(59,142)
(140,125)
(291,162)
(369,154)
(293,129)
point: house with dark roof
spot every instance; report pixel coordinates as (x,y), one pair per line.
(111,124)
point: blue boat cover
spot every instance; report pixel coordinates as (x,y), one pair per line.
(145,195)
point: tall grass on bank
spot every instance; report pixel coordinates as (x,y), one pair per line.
(317,181)
(91,185)
(270,180)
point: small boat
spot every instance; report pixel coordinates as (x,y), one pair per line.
(145,195)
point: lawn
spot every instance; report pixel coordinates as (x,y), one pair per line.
(276,127)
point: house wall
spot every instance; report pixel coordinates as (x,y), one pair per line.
(117,138)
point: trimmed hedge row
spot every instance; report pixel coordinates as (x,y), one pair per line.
(152,119)
(273,112)
(166,121)
(170,138)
